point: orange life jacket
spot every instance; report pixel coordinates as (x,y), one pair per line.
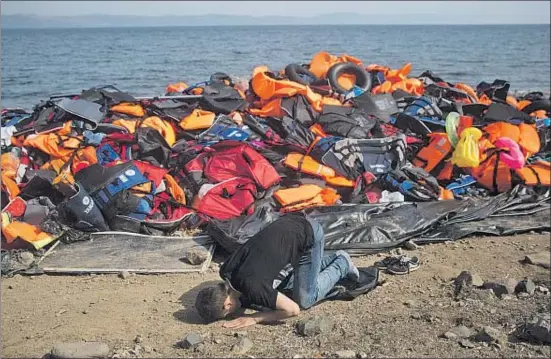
(512,101)
(174,189)
(536,174)
(164,127)
(524,134)
(501,129)
(176,87)
(27,232)
(129,109)
(484,99)
(310,166)
(267,88)
(467,89)
(522,104)
(55,165)
(540,114)
(198,120)
(498,177)
(529,140)
(397,79)
(9,185)
(84,157)
(130,125)
(142,189)
(447,171)
(54,144)
(318,130)
(445,194)
(308,195)
(398,75)
(412,86)
(493,174)
(323,61)
(432,158)
(9,164)
(271,108)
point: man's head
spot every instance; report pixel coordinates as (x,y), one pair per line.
(216,302)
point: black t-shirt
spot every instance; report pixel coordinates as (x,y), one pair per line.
(253,267)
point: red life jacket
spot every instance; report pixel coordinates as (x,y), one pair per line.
(229,199)
(151,172)
(229,159)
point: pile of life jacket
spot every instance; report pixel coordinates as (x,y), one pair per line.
(333,131)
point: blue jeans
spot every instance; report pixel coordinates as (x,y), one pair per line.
(315,275)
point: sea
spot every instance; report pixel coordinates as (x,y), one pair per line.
(38,63)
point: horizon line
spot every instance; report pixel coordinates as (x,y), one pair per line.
(259,25)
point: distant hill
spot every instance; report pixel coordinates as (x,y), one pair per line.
(84,21)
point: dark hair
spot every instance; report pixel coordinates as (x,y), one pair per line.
(210,302)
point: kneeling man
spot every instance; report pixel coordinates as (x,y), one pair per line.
(250,274)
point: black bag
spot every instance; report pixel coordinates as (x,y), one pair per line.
(152,147)
(504,112)
(291,131)
(345,289)
(299,108)
(369,278)
(381,106)
(496,91)
(83,213)
(220,98)
(41,184)
(414,183)
(83,109)
(349,122)
(106,96)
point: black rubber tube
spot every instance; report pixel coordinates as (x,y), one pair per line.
(293,72)
(220,77)
(363,79)
(537,105)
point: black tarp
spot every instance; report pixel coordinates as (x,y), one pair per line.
(365,229)
(370,228)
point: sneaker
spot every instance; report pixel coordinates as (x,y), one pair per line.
(353,273)
(387,262)
(390,260)
(404,265)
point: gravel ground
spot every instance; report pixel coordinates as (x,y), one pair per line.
(148,315)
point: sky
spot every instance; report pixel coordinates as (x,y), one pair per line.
(470,11)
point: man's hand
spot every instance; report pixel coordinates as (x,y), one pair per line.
(285,308)
(241,322)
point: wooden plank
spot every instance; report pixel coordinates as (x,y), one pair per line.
(117,270)
(206,263)
(113,252)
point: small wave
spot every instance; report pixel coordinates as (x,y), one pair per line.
(456,73)
(524,92)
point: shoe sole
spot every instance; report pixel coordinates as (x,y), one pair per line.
(402,273)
